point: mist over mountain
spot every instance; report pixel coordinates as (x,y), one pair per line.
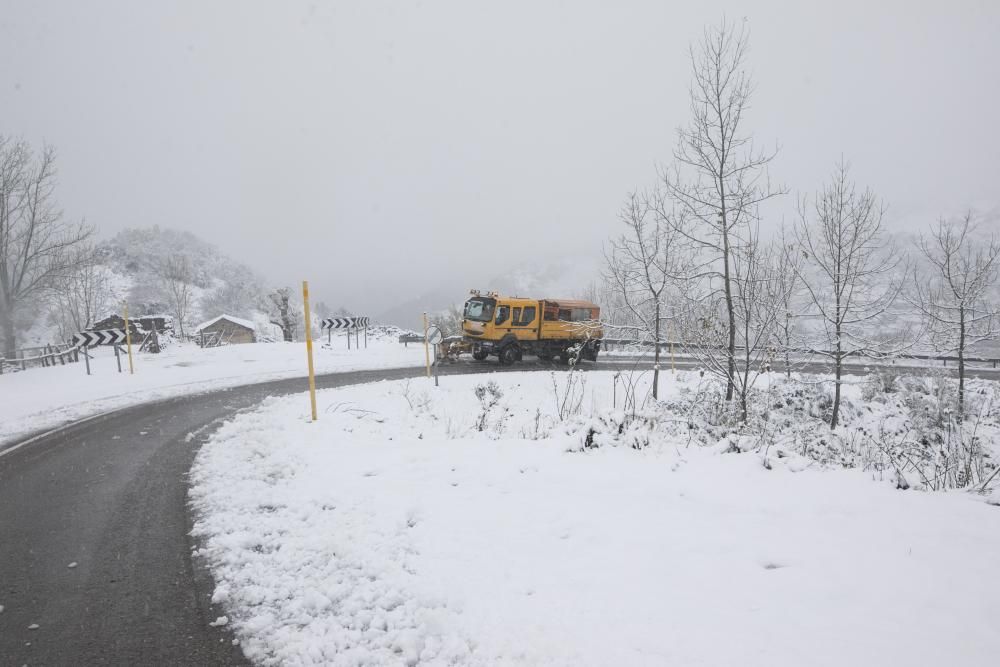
(564,277)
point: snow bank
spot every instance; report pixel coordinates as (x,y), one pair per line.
(45,397)
(406,527)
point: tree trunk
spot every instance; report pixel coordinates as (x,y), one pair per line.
(10,342)
(961,363)
(656,354)
(730,310)
(838,368)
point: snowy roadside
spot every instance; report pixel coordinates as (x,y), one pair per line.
(47,397)
(414,524)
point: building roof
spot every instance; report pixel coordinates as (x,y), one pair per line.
(246,324)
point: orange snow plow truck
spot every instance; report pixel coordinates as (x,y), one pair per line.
(509,327)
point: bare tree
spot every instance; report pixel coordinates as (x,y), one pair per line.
(957,304)
(719,179)
(851,284)
(84,296)
(177,278)
(282,314)
(37,246)
(755,305)
(642,265)
(786,296)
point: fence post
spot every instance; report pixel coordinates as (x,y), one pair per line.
(24,366)
(86,358)
(118,359)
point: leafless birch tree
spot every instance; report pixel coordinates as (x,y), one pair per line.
(786,296)
(957,301)
(850,273)
(84,296)
(178,277)
(37,246)
(642,265)
(719,178)
(755,305)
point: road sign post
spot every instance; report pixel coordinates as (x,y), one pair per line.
(309,348)
(427,352)
(433,337)
(347,323)
(84,340)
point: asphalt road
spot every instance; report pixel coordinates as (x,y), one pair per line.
(95,546)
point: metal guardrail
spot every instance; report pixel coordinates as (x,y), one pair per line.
(621,343)
(608,343)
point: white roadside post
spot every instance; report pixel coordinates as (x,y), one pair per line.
(427,352)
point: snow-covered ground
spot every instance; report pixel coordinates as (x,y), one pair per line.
(44,397)
(412,525)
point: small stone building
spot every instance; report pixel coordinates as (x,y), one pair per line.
(225,330)
(138,324)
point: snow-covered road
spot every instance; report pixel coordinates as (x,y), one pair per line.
(42,398)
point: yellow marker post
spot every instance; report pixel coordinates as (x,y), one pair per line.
(427,349)
(309,348)
(128,340)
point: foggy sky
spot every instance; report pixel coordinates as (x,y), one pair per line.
(379,149)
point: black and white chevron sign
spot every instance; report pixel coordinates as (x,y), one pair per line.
(102,337)
(345,322)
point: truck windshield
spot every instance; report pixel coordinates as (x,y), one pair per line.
(479,309)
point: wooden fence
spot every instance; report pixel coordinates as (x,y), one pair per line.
(43,356)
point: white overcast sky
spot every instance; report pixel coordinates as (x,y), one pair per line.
(378,149)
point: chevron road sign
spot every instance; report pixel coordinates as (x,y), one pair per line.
(345,322)
(356,323)
(102,337)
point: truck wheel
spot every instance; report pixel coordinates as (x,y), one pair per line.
(480,355)
(509,355)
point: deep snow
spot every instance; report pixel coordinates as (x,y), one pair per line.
(392,531)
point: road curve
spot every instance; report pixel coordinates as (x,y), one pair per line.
(110,496)
(96,563)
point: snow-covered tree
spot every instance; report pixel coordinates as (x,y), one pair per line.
(177,278)
(719,178)
(39,249)
(84,296)
(643,264)
(850,274)
(957,300)
(283,313)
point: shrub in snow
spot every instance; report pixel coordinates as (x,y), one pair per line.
(880,381)
(568,394)
(618,429)
(489,396)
